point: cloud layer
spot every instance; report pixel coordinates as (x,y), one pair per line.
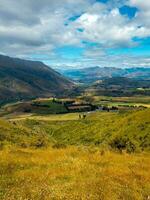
(36,29)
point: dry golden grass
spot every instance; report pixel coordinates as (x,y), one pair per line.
(77,173)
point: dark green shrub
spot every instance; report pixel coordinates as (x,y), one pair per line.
(1,145)
(118,143)
(123,143)
(40,141)
(130,147)
(59,146)
(24,144)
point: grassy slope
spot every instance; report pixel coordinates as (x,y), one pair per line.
(82,171)
(100,129)
(131,130)
(73,173)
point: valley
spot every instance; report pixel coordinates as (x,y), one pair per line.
(74,136)
(75,100)
(92,74)
(58,156)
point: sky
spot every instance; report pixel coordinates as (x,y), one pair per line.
(77,33)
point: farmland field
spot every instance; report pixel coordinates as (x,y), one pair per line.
(54,117)
(116,101)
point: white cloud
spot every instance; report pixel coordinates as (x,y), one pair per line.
(118,61)
(143,15)
(110,28)
(30,27)
(36,23)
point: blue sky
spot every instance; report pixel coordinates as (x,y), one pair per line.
(77,33)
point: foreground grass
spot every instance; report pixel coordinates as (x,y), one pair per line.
(66,158)
(73,173)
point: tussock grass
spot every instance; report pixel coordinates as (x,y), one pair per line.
(73,173)
(76,159)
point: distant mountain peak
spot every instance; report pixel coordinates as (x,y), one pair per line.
(92,74)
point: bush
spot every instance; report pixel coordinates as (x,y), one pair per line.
(24,144)
(131,147)
(118,143)
(59,146)
(40,141)
(121,143)
(1,145)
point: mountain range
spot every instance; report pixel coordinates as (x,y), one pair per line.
(23,79)
(92,74)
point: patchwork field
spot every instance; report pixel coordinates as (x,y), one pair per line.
(124,101)
(38,117)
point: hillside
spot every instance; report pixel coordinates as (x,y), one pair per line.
(122,83)
(130,130)
(21,79)
(120,86)
(105,156)
(92,74)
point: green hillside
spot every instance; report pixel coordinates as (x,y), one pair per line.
(64,157)
(130,131)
